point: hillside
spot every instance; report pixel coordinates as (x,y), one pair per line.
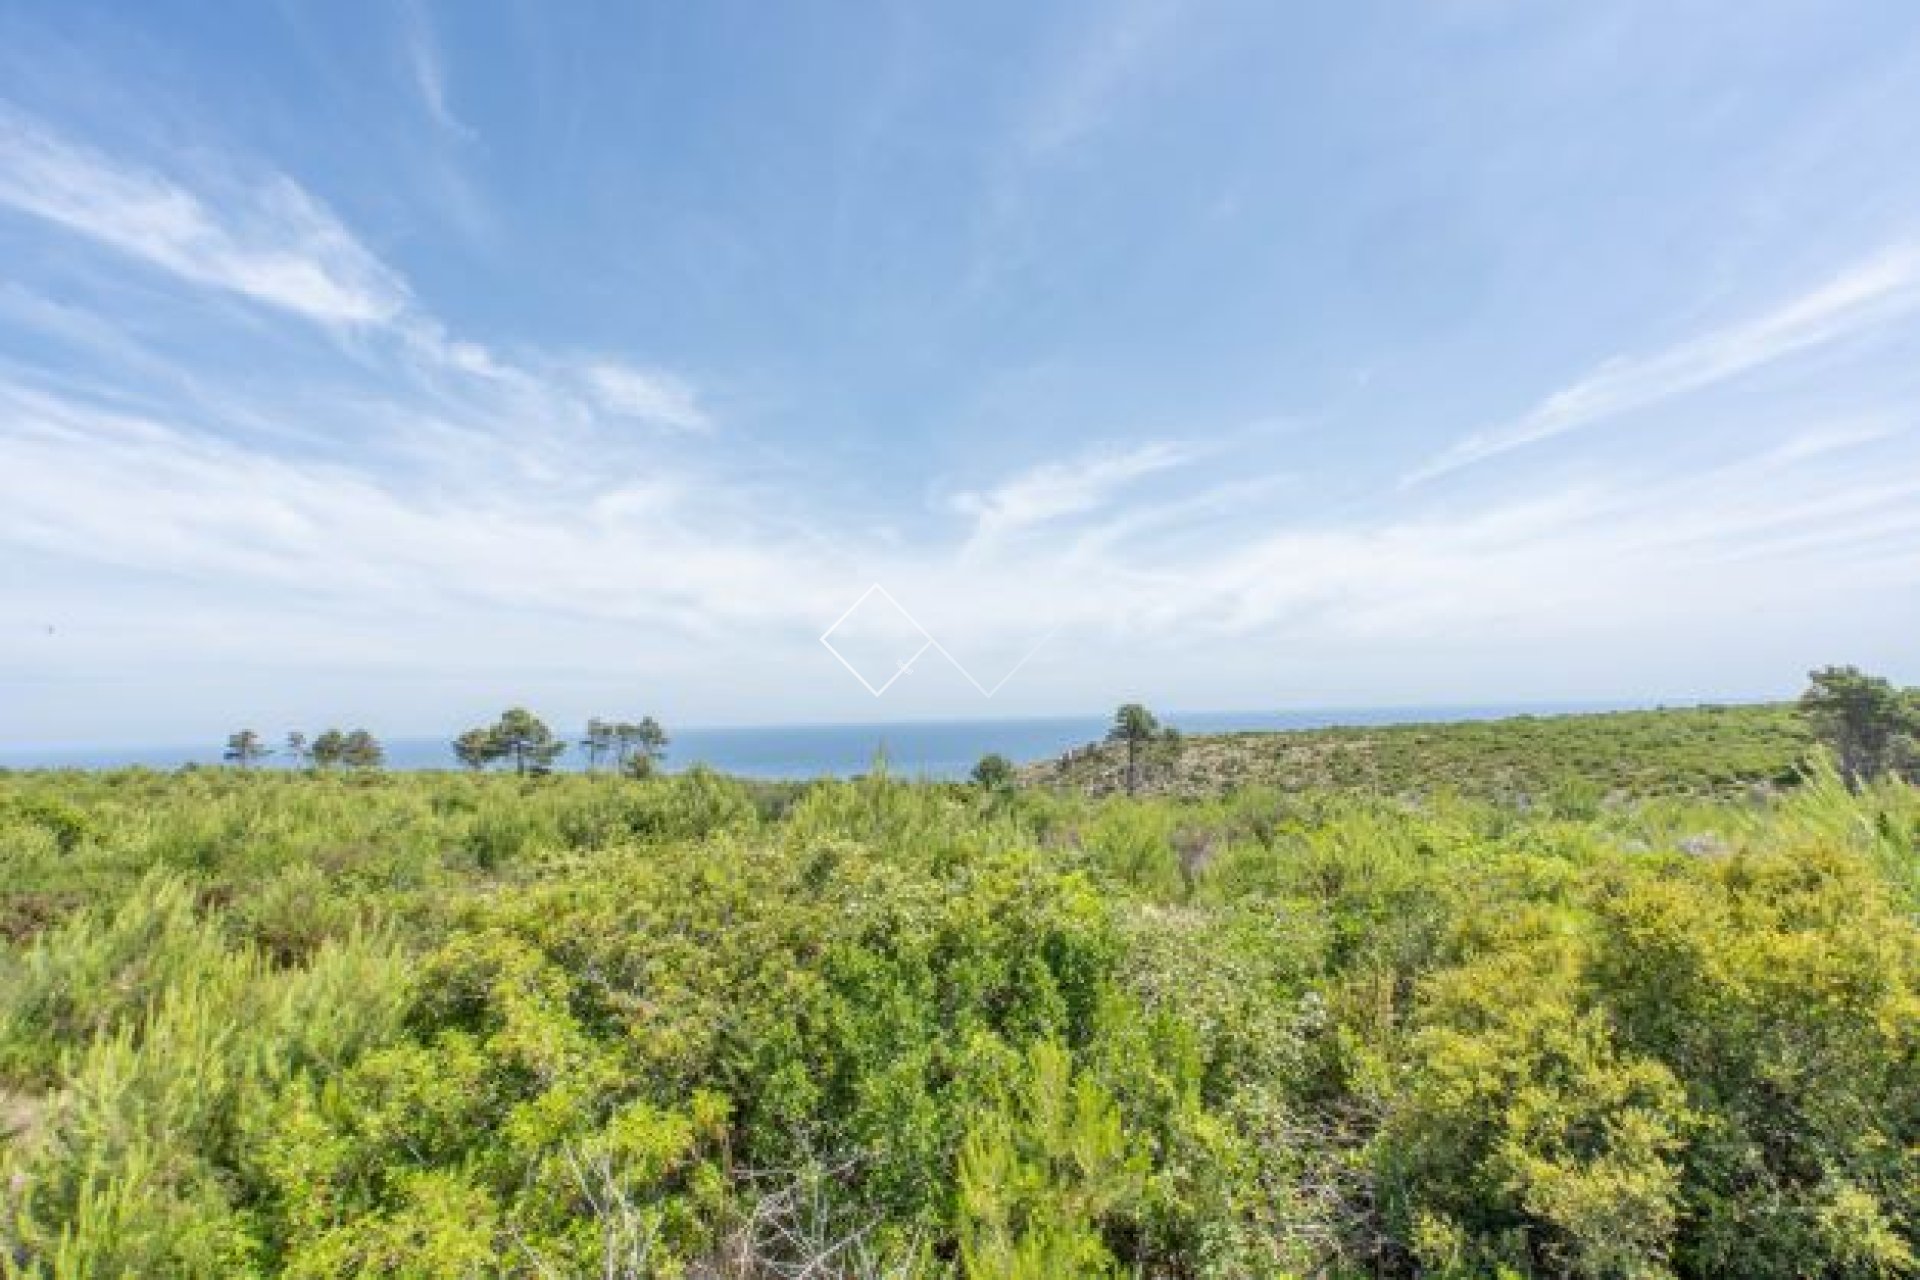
(1694,751)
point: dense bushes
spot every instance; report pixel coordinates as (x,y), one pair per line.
(446,1026)
(1703,1065)
(156,1046)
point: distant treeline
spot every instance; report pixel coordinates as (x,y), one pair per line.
(1870,725)
(518,738)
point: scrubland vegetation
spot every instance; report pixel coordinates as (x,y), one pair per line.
(259,1022)
(1695,751)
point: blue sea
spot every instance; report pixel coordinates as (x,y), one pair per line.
(927,748)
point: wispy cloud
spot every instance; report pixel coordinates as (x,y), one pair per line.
(428,68)
(1868,294)
(1079,94)
(269,241)
(477,532)
(1055,490)
(648,395)
(1833,438)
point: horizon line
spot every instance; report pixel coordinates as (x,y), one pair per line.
(1413,711)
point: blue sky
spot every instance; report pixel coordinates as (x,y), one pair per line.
(389,363)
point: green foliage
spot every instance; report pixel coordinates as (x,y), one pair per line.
(163,1039)
(66,824)
(519,736)
(268,1023)
(1041,1171)
(1133,727)
(639,748)
(1132,722)
(246,749)
(1870,726)
(1525,1137)
(1577,764)
(1779,986)
(994,772)
(329,749)
(635,748)
(294,913)
(355,750)
(474,749)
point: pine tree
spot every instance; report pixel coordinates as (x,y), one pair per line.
(246,749)
(522,737)
(329,749)
(994,772)
(642,746)
(361,750)
(1134,725)
(599,741)
(476,749)
(1868,723)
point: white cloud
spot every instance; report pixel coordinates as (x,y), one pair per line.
(272,242)
(1055,490)
(1833,438)
(130,491)
(1868,294)
(507,552)
(649,395)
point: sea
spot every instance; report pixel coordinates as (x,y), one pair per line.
(934,749)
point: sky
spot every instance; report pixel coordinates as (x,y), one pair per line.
(387,364)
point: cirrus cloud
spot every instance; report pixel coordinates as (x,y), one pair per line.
(268,241)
